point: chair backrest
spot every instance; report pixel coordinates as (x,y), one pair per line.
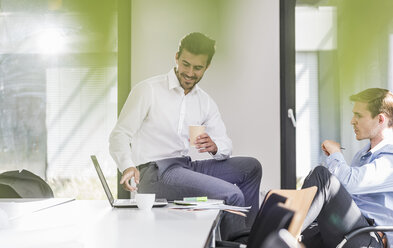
(268,202)
(270,221)
(299,201)
(23,184)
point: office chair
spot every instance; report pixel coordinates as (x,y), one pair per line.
(363,230)
(23,184)
(276,218)
(272,220)
(299,201)
(243,236)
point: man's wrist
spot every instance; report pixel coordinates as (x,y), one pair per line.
(334,152)
(334,156)
(122,169)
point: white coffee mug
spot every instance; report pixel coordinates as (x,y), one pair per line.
(145,201)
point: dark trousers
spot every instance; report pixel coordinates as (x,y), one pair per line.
(235,180)
(335,213)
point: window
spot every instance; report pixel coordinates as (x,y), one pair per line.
(307,113)
(58,91)
(317,105)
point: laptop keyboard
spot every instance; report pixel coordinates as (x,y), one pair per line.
(123,201)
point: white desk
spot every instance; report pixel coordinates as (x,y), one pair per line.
(95,224)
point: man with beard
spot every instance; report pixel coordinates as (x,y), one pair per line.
(150,140)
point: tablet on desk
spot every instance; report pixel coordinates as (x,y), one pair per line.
(120,203)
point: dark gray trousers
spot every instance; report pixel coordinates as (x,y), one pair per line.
(235,180)
(335,212)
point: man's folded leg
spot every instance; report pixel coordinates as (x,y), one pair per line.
(244,172)
(335,211)
(177,181)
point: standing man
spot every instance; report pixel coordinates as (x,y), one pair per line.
(350,197)
(150,141)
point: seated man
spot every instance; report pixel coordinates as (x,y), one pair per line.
(150,140)
(348,197)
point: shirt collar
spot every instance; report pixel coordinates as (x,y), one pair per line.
(381,144)
(173,82)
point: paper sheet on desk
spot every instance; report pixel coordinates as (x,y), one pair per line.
(210,204)
(219,207)
(16,208)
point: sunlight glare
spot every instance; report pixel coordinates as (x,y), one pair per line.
(51,41)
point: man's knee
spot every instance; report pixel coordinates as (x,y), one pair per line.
(321,170)
(317,177)
(254,166)
(257,166)
(235,197)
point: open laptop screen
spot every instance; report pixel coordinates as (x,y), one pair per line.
(102,179)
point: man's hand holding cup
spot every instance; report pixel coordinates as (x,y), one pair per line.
(201,140)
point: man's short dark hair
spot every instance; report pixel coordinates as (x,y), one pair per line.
(378,101)
(198,43)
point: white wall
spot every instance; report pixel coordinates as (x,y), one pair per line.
(244,75)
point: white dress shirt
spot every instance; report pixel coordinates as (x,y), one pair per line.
(153,123)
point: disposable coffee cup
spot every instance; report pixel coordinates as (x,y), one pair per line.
(194,132)
(145,201)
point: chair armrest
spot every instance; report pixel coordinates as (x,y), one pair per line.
(363,230)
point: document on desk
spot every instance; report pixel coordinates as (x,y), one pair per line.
(15,208)
(209,204)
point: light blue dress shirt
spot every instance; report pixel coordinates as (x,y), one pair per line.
(369,180)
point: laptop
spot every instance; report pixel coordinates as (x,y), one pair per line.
(120,203)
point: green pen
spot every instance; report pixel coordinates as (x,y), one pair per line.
(195,199)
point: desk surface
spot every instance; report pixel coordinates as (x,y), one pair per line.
(95,224)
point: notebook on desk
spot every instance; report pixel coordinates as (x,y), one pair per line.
(119,203)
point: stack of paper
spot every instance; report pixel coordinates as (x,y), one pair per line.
(209,204)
